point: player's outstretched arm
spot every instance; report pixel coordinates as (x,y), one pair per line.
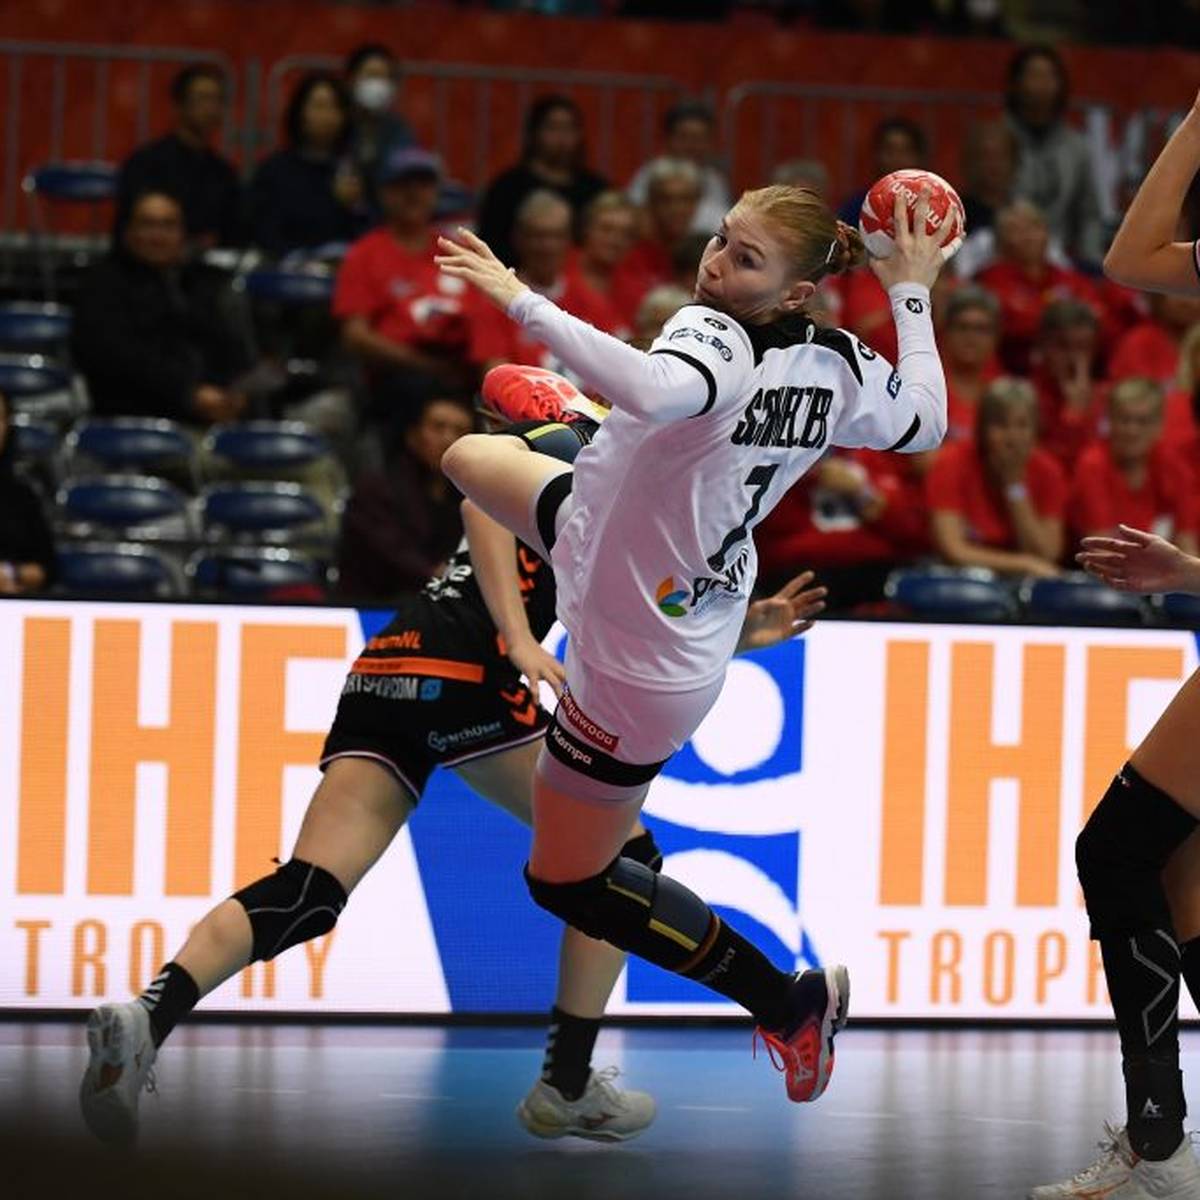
(787,614)
(494,558)
(1144,253)
(1136,561)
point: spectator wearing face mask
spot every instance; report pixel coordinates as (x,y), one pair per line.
(376,129)
(184,164)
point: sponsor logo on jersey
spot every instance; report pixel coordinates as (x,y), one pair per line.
(670,598)
(772,418)
(915,306)
(716,324)
(894,384)
(431,689)
(865,351)
(706,590)
(386,687)
(698,335)
(585,725)
(441,742)
(408,639)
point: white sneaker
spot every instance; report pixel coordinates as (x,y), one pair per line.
(122,1055)
(1175,1178)
(604,1113)
(1099,1179)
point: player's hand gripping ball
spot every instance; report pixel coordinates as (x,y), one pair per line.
(877,222)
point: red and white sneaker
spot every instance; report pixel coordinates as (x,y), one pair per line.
(521,393)
(803,1048)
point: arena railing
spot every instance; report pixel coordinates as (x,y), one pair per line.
(33,135)
(650,93)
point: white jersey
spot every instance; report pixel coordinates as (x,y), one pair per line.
(656,563)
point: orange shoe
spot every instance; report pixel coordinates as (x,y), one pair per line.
(803,1049)
(520,393)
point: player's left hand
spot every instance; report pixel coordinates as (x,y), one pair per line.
(787,614)
(471,258)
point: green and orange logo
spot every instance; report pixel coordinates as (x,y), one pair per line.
(671,599)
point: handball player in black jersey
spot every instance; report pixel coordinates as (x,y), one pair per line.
(461,647)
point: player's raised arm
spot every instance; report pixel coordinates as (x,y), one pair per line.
(656,387)
(1144,254)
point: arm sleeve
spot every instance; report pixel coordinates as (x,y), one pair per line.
(902,408)
(701,360)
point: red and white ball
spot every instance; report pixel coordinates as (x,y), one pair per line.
(877,221)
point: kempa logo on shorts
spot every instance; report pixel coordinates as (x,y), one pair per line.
(582,722)
(442,742)
(569,748)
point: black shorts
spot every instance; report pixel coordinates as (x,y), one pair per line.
(412,712)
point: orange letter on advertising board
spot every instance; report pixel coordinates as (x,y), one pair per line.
(945,957)
(91,942)
(120,742)
(998,978)
(1110,669)
(975,760)
(893,937)
(138,958)
(33,952)
(265,746)
(42,811)
(906,711)
(250,977)
(1050,965)
(318,953)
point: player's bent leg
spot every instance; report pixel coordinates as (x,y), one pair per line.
(570,1098)
(353,816)
(510,483)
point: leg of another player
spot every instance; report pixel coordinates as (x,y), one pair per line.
(1181,880)
(355,812)
(504,478)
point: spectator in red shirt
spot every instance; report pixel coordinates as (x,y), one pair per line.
(999,502)
(1070,400)
(1180,421)
(867,312)
(673,189)
(1151,350)
(852,519)
(609,229)
(401,317)
(542,240)
(403,522)
(1131,477)
(1024,280)
(967,337)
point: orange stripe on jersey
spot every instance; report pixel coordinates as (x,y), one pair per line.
(443,668)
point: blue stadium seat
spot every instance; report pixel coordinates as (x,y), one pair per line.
(138,506)
(290,287)
(266,445)
(262,511)
(1180,608)
(32,375)
(32,327)
(1077,597)
(76,182)
(115,569)
(147,445)
(949,594)
(251,572)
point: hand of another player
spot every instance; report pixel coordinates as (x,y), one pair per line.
(538,665)
(471,258)
(787,614)
(1136,561)
(917,254)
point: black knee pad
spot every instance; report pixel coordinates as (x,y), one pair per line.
(644,849)
(299,902)
(632,908)
(1121,852)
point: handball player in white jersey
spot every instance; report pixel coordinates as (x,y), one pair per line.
(651,541)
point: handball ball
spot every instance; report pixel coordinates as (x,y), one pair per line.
(877,224)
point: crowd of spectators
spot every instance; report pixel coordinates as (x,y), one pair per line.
(1073,402)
